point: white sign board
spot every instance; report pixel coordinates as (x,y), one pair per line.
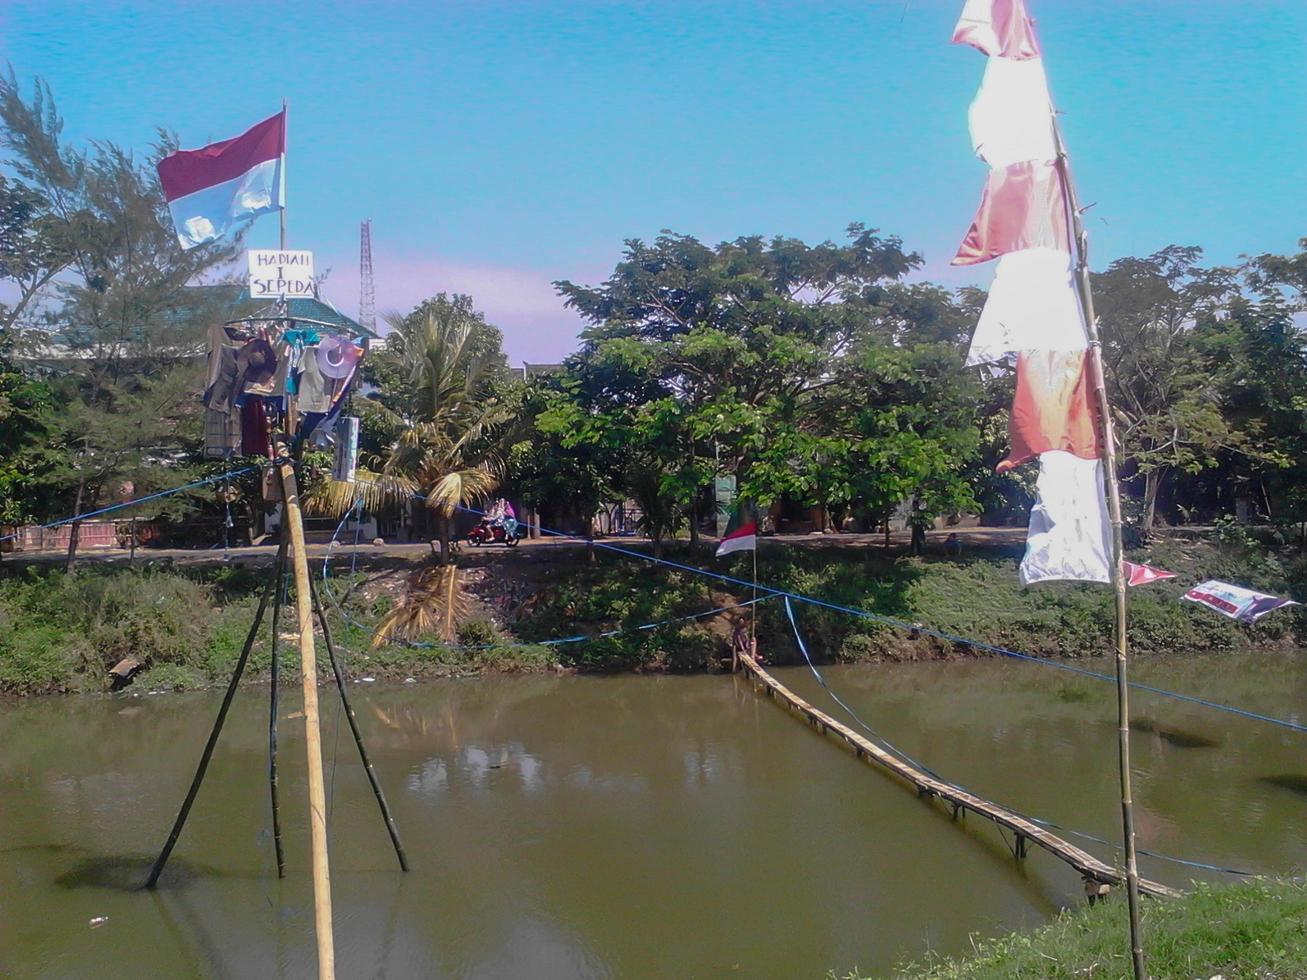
(278,274)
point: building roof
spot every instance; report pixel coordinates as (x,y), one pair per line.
(307,309)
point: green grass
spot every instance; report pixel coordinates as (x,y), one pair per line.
(1256,930)
(63,633)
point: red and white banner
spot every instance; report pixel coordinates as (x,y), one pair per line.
(743,538)
(214,188)
(1033,313)
(1144,574)
(1234,601)
(1053,408)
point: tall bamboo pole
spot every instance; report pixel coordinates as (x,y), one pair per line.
(312,730)
(1118,569)
(281,215)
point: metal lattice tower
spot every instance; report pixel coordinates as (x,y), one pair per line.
(367,290)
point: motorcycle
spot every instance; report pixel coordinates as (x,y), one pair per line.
(496,532)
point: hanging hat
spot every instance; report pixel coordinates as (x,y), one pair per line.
(337,357)
(258,360)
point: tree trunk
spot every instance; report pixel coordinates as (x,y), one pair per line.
(694,521)
(1152,482)
(590,538)
(442,531)
(75,532)
(658,547)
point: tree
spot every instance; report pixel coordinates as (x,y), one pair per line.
(123,328)
(441,376)
(750,358)
(1168,403)
(33,246)
(27,407)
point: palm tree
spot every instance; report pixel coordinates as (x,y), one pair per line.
(436,373)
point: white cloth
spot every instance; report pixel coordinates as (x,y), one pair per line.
(1069,535)
(1032,305)
(1011,118)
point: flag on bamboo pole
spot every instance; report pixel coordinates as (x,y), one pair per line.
(217,187)
(1137,574)
(741,532)
(1033,314)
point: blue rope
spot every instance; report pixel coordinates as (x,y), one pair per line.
(578,638)
(912,627)
(939,634)
(803,648)
(132,503)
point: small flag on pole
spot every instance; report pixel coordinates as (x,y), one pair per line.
(741,533)
(213,189)
(1144,574)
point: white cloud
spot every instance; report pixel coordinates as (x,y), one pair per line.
(521,302)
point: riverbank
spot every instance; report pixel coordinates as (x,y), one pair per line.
(1255,929)
(186,622)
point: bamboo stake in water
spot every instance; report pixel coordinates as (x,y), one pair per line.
(312,730)
(273,708)
(1118,569)
(354,729)
(212,743)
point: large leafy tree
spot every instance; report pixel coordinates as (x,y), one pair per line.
(119,329)
(1168,403)
(808,371)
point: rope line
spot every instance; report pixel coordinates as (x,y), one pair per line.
(131,503)
(886,744)
(927,631)
(577,638)
(901,624)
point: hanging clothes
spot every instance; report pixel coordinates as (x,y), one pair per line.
(254,428)
(314,388)
(222,434)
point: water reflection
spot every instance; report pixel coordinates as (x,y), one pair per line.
(629,826)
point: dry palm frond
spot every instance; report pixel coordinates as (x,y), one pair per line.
(433,603)
(334,498)
(462,487)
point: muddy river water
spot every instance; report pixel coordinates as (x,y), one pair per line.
(624,826)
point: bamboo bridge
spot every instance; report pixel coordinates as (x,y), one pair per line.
(1097,875)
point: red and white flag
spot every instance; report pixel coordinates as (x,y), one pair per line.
(1033,312)
(1023,207)
(1053,407)
(999,28)
(741,532)
(1144,574)
(213,189)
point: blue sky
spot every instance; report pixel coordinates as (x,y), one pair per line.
(500,146)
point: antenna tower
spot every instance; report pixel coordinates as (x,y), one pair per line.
(367,290)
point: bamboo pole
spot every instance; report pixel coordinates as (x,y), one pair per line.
(354,729)
(209,746)
(273,708)
(312,730)
(1118,570)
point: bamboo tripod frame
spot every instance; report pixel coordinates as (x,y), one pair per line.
(308,606)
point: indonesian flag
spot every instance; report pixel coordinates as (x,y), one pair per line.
(1033,314)
(1144,574)
(213,189)
(741,533)
(1053,407)
(1023,207)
